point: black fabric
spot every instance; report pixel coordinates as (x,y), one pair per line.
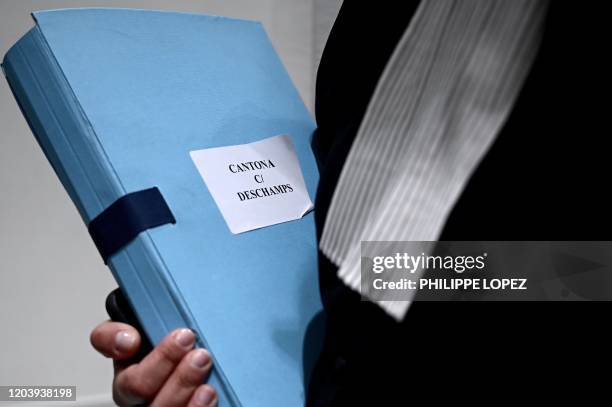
(125,218)
(546,177)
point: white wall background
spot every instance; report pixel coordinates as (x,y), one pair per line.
(52,281)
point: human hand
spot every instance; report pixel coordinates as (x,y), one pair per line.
(170,375)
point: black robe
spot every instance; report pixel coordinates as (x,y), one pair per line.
(546,177)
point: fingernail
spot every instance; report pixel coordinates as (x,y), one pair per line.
(125,341)
(185,338)
(204,396)
(200,358)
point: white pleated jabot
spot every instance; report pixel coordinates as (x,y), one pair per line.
(438,106)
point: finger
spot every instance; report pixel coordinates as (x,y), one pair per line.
(141,382)
(115,340)
(182,383)
(204,396)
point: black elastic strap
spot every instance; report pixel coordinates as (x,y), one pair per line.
(125,218)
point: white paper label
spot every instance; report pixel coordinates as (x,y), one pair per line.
(255,185)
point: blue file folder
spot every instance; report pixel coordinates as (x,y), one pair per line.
(117,99)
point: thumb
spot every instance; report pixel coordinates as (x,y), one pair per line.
(115,340)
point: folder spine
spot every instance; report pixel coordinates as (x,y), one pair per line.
(70,143)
